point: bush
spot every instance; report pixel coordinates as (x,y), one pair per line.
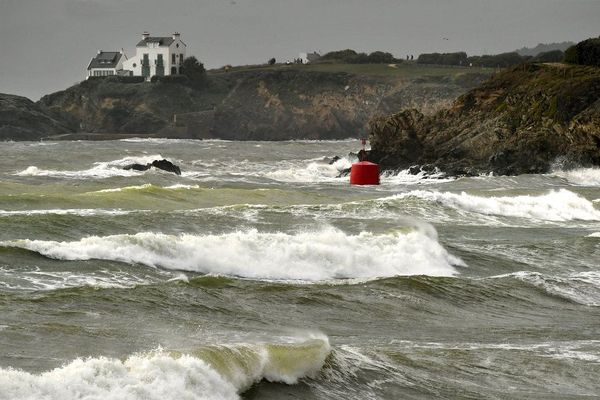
(130,79)
(459,58)
(584,53)
(549,56)
(170,79)
(194,71)
(502,60)
(272,61)
(350,56)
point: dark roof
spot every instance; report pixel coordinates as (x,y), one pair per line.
(105,59)
(162,41)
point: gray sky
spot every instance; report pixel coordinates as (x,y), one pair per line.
(46,44)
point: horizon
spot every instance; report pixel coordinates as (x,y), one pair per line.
(61,36)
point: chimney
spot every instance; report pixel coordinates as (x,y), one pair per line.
(145,35)
(176,35)
(99,51)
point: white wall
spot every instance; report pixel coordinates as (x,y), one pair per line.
(153,50)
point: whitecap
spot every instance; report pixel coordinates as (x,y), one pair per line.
(324,255)
(561,205)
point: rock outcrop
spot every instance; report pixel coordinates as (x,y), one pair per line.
(163,164)
(520,121)
(22,119)
(256,104)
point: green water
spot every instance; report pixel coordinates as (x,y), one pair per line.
(258,273)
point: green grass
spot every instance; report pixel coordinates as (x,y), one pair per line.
(408,70)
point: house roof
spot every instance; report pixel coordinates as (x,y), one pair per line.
(105,59)
(161,40)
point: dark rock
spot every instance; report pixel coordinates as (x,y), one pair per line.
(137,167)
(333,160)
(163,164)
(520,121)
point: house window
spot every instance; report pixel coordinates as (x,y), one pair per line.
(160,67)
(146,66)
(173,71)
(181,58)
(173,58)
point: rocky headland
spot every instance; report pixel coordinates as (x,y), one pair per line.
(522,120)
(258,103)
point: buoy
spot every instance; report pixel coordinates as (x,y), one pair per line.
(364,173)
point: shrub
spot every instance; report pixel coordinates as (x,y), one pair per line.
(459,58)
(584,53)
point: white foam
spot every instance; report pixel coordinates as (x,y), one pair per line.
(222,375)
(327,254)
(311,171)
(594,235)
(561,205)
(580,176)
(105,169)
(82,212)
(404,177)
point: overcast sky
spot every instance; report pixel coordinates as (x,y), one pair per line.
(45,45)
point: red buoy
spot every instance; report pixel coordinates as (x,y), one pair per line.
(364,173)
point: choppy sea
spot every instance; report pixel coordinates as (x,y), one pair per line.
(259,274)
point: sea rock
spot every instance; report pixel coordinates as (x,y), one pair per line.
(163,164)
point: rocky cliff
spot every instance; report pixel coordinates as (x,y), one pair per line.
(257,103)
(520,121)
(22,119)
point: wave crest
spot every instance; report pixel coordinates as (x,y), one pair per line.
(558,205)
(216,372)
(328,254)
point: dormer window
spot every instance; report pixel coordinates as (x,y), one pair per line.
(177,45)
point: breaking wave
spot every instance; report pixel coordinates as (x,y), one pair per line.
(103,169)
(314,171)
(558,205)
(214,372)
(328,254)
(580,176)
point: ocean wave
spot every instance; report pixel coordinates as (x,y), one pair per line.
(214,372)
(422,177)
(580,176)
(557,205)
(81,212)
(594,235)
(328,254)
(580,287)
(104,169)
(312,171)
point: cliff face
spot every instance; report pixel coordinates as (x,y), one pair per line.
(22,119)
(261,104)
(520,121)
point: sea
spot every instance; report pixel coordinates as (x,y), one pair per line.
(260,273)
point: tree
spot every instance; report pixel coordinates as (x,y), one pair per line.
(194,70)
(272,61)
(584,53)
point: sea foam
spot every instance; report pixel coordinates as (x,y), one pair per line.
(327,254)
(216,372)
(580,176)
(105,169)
(557,205)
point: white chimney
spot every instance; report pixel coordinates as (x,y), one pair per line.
(145,35)
(176,35)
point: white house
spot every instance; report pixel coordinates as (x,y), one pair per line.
(106,63)
(309,57)
(156,55)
